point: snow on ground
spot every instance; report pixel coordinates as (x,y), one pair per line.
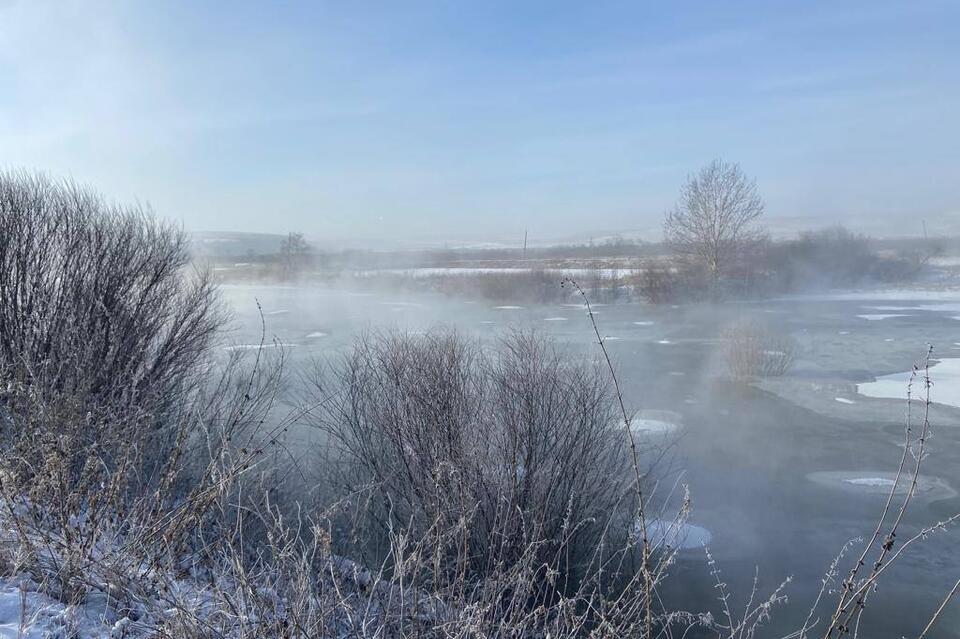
(606,273)
(664,341)
(644,323)
(281,312)
(508,308)
(28,614)
(554,319)
(945,376)
(880,316)
(317,334)
(843,400)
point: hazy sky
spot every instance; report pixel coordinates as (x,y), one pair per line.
(473,120)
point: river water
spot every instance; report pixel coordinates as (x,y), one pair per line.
(783,472)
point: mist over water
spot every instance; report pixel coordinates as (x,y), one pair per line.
(782,473)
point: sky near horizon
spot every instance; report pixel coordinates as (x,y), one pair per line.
(471,121)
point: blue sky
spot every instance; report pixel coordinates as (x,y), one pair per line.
(469,121)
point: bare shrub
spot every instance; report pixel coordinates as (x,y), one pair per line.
(754,349)
(100,320)
(668,283)
(500,285)
(113,416)
(509,447)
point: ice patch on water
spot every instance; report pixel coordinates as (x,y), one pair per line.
(281,312)
(879,484)
(889,339)
(678,536)
(870,481)
(664,341)
(508,308)
(843,332)
(888,295)
(639,425)
(643,323)
(554,319)
(611,338)
(945,376)
(317,334)
(655,422)
(843,400)
(677,373)
(873,317)
(254,347)
(946,307)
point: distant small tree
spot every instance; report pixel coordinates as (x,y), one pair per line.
(716,218)
(294,251)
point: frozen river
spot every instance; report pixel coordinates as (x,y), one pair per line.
(783,472)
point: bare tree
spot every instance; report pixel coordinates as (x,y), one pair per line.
(716,218)
(294,251)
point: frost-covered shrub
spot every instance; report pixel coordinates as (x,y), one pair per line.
(508,446)
(101,321)
(96,297)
